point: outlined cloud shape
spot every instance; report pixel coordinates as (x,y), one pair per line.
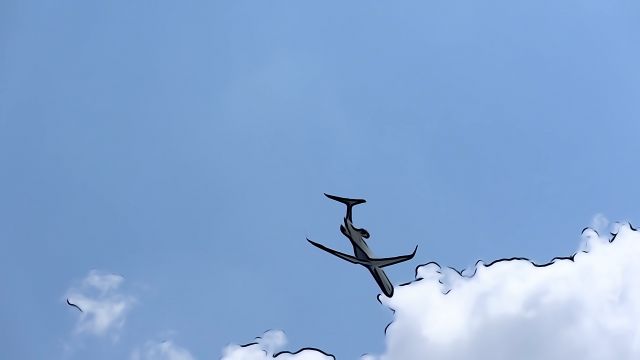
(265,347)
(586,306)
(103,306)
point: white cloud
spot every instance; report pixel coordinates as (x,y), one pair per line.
(265,346)
(104,308)
(587,309)
(165,350)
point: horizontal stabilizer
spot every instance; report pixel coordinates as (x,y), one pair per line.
(349,202)
(346,201)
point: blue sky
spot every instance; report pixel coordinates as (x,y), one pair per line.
(186,146)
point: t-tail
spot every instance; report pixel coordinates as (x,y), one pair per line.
(349,202)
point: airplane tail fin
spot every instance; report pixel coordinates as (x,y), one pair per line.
(349,202)
(346,201)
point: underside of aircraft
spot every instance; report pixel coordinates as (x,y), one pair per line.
(363,257)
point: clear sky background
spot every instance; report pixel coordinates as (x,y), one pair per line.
(186,145)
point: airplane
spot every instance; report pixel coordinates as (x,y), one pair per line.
(363,255)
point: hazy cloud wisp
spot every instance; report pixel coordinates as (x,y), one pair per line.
(104,308)
(166,350)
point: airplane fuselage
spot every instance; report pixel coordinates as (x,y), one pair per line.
(362,255)
(362,251)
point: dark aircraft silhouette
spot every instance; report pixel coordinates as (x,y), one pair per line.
(363,255)
(73,305)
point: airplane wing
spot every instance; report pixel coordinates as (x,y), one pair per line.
(379,262)
(382,262)
(349,258)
